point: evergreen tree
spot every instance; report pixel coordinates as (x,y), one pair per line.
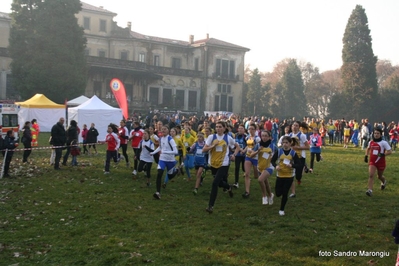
(254,91)
(47,47)
(359,77)
(292,92)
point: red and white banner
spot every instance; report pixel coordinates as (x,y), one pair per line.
(119,92)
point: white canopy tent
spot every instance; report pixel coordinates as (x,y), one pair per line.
(78,101)
(97,112)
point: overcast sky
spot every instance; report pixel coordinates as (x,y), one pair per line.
(308,30)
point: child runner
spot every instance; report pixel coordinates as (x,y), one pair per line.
(377,149)
(199,160)
(179,145)
(136,135)
(300,146)
(75,151)
(240,138)
(146,159)
(285,160)
(347,134)
(167,160)
(188,140)
(218,146)
(315,143)
(250,162)
(155,139)
(123,133)
(84,137)
(113,143)
(265,153)
(393,134)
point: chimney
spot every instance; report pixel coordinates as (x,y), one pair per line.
(129,25)
(191,39)
(207,36)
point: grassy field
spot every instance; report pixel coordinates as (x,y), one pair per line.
(79,216)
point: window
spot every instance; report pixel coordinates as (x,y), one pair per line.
(124,55)
(196,63)
(176,63)
(97,88)
(154,95)
(86,23)
(224,88)
(230,104)
(225,68)
(101,53)
(142,57)
(179,101)
(192,100)
(223,101)
(87,52)
(103,25)
(167,97)
(10,120)
(156,60)
(217,99)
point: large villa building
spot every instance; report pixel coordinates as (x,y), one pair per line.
(194,75)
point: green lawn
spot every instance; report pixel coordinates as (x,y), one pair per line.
(79,216)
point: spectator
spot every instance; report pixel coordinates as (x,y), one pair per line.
(27,141)
(58,140)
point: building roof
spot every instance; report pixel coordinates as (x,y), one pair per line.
(4,15)
(96,9)
(140,36)
(217,42)
(209,41)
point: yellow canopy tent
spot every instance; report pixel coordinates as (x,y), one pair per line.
(40,101)
(45,111)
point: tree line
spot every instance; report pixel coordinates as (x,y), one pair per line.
(363,87)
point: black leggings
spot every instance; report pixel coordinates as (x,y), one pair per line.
(299,169)
(312,154)
(136,157)
(144,166)
(283,186)
(124,152)
(220,180)
(238,160)
(27,152)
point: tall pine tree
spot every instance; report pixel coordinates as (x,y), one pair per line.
(358,71)
(47,47)
(254,91)
(292,91)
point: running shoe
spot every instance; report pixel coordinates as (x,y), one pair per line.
(231,191)
(157,195)
(384,185)
(236,185)
(245,195)
(195,192)
(281,213)
(292,195)
(369,192)
(271,199)
(209,209)
(265,201)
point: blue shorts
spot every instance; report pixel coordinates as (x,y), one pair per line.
(252,160)
(168,165)
(269,170)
